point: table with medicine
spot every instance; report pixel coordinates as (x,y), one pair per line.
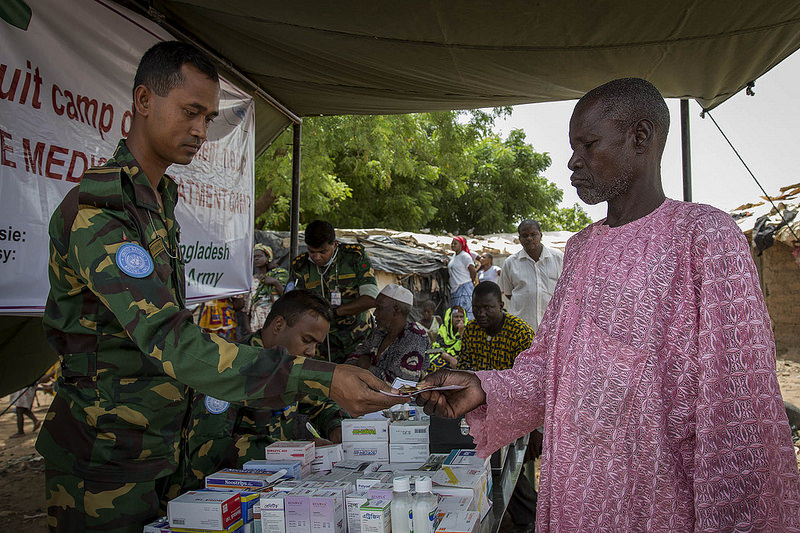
(396,470)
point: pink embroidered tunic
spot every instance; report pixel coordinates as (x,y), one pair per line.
(653,373)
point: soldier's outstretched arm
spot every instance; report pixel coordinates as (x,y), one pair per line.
(151,317)
(356,391)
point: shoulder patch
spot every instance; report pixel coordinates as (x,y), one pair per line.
(134,260)
(216,407)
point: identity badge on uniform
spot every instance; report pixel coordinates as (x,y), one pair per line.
(216,407)
(134,260)
(336,298)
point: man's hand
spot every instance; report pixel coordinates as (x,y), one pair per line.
(451,403)
(356,391)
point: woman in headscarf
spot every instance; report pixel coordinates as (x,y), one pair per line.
(463,275)
(268,282)
(447,346)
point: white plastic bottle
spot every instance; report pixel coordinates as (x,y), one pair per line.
(426,507)
(402,519)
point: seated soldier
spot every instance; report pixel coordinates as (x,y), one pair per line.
(227,436)
(397,347)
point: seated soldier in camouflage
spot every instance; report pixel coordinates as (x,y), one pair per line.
(226,436)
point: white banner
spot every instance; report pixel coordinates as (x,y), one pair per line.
(65,100)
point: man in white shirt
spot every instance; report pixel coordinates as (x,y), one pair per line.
(529,277)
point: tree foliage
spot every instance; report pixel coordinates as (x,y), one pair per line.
(443,171)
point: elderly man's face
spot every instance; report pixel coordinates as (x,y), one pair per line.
(601,155)
(384,311)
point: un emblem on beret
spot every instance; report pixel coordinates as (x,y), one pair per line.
(216,407)
(134,260)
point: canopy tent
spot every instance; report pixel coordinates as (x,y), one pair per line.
(355,57)
(348,57)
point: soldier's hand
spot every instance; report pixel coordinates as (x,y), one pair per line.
(356,391)
(451,403)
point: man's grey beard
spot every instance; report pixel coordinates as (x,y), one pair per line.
(607,192)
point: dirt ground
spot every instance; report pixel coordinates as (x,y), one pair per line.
(22,469)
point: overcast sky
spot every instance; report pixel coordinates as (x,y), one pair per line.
(765,128)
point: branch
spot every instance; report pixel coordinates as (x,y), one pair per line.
(264,202)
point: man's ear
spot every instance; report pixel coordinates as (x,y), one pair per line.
(142,100)
(278,324)
(643,135)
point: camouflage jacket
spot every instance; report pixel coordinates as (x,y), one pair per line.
(128,348)
(227,436)
(350,274)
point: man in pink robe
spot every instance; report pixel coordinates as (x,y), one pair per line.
(653,370)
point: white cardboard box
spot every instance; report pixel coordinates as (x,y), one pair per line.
(364,430)
(297,450)
(409,431)
(272,509)
(293,468)
(327,512)
(366,451)
(376,516)
(459,522)
(298,510)
(409,453)
(205,510)
(463,481)
(233,479)
(353,502)
(325,457)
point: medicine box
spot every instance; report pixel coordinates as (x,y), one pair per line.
(238,527)
(366,451)
(453,504)
(272,512)
(353,503)
(230,478)
(364,430)
(298,510)
(381,491)
(409,453)
(293,468)
(459,522)
(325,457)
(327,512)
(466,458)
(376,516)
(409,431)
(463,482)
(288,450)
(205,510)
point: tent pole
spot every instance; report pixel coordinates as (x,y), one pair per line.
(686,151)
(295,221)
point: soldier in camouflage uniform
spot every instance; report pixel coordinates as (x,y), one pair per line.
(115,315)
(342,274)
(227,436)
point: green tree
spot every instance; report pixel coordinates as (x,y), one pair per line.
(444,171)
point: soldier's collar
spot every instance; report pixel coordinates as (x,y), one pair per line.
(144,195)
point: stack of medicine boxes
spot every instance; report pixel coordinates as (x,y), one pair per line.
(365,439)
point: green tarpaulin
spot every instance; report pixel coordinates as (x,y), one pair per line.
(348,57)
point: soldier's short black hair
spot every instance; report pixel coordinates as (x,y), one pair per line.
(295,303)
(530,222)
(629,100)
(318,233)
(487,288)
(160,67)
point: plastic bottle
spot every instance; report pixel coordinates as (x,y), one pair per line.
(402,518)
(425,508)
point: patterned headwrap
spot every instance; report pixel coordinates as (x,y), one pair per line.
(463,242)
(449,339)
(264,248)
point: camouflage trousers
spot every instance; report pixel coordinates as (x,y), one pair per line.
(75,504)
